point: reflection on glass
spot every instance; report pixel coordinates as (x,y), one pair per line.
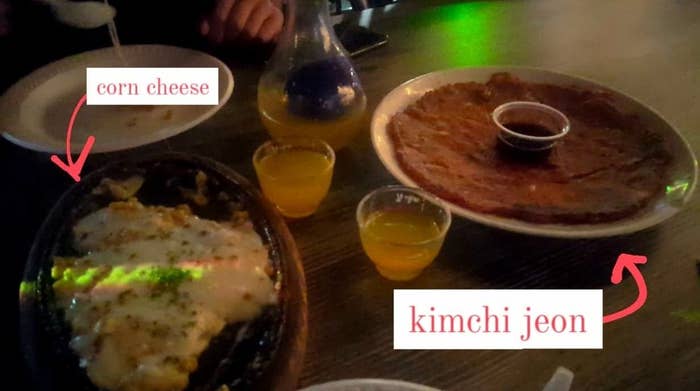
(677,190)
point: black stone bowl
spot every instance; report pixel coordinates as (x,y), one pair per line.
(242,356)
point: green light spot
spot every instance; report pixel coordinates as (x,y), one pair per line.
(171,276)
(88,277)
(677,189)
(467,31)
(689,316)
(27,288)
(162,278)
(197,273)
(117,275)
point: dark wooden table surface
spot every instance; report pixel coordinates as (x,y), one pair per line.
(648,49)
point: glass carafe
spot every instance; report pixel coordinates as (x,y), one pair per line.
(309,87)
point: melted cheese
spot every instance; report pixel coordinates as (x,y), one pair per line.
(156,284)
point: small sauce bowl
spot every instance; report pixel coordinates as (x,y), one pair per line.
(530,126)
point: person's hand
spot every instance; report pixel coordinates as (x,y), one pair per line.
(243,20)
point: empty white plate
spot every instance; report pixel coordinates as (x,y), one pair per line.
(369,385)
(34,112)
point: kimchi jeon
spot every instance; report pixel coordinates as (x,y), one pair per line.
(608,167)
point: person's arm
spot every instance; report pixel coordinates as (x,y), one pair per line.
(243,21)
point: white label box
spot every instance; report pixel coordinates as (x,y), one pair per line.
(152,86)
(498,319)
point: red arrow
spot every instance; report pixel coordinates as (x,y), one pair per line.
(73,168)
(629,262)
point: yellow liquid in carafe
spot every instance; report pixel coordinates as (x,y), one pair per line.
(296,181)
(400,243)
(280,122)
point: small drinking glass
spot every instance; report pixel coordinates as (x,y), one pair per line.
(402,230)
(295,173)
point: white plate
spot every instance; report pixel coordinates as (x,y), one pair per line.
(34,112)
(369,385)
(683,171)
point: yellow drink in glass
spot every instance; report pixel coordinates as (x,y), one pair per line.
(280,123)
(402,230)
(295,174)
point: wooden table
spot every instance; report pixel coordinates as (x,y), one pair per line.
(648,49)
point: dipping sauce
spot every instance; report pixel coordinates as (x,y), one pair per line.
(401,243)
(295,179)
(529,129)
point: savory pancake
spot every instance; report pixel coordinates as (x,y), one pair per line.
(608,167)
